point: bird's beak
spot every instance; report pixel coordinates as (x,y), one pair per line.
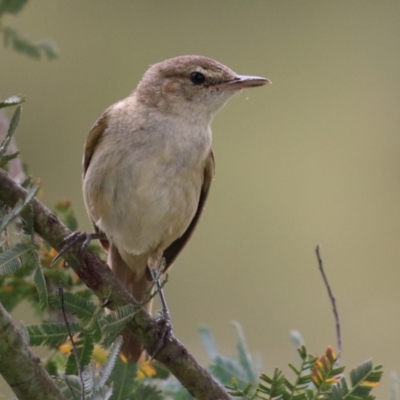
(243,81)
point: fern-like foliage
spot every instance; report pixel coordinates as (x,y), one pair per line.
(12,259)
(112,324)
(76,305)
(51,333)
(315,379)
(107,368)
(224,368)
(363,379)
(324,374)
(84,349)
(21,204)
(121,377)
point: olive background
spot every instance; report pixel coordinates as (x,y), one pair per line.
(312,159)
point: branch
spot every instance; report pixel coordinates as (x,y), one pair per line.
(331,298)
(71,339)
(103,283)
(20,368)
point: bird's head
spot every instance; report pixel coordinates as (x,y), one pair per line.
(191,85)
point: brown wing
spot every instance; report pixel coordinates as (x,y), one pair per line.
(94,136)
(175,248)
(93,139)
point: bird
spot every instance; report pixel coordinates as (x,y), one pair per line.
(147,169)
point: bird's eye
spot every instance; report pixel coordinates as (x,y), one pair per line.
(197,78)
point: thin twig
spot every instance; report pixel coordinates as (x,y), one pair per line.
(331,298)
(65,380)
(75,351)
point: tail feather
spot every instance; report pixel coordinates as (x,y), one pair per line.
(138,284)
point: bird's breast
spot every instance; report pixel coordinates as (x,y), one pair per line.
(150,195)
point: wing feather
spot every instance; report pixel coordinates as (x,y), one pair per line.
(172,252)
(93,139)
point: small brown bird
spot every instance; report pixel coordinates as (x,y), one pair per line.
(148,166)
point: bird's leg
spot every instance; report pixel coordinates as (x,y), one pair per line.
(164,313)
(76,237)
(155,263)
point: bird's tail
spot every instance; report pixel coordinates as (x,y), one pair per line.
(138,284)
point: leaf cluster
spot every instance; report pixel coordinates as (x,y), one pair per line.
(96,333)
(315,379)
(25,272)
(19,41)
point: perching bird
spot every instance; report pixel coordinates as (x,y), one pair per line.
(148,167)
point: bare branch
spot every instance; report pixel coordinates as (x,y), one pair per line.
(331,298)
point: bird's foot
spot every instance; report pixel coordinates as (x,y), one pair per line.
(74,238)
(165,330)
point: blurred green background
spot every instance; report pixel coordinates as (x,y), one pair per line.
(314,158)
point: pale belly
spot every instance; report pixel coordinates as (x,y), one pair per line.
(146,209)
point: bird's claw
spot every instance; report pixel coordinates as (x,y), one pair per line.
(165,331)
(71,240)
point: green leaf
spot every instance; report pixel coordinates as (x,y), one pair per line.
(12,259)
(7,158)
(23,44)
(13,291)
(148,392)
(297,338)
(245,358)
(112,324)
(48,48)
(224,368)
(122,379)
(75,304)
(84,348)
(11,129)
(95,329)
(55,363)
(108,366)
(177,393)
(88,377)
(208,342)
(364,378)
(18,207)
(12,101)
(275,387)
(74,385)
(51,333)
(12,6)
(40,283)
